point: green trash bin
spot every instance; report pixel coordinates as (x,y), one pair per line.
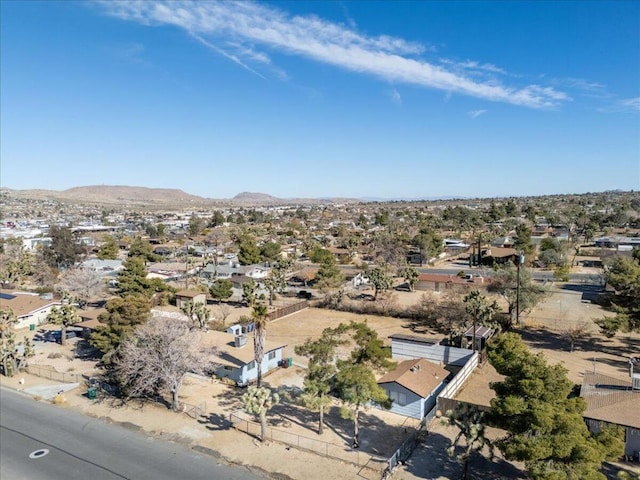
(290,362)
(91,393)
(32,327)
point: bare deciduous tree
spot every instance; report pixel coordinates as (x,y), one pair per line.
(156,358)
(82,284)
(576,332)
(224,310)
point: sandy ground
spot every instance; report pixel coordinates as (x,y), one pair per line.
(382,431)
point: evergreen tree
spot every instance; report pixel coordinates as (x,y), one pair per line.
(321,370)
(64,251)
(141,248)
(121,317)
(109,249)
(248,251)
(545,427)
(270,251)
(356,381)
(623,274)
(221,289)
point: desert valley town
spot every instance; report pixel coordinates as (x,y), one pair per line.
(318,240)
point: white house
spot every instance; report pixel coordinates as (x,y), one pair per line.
(257,272)
(235,358)
(29,308)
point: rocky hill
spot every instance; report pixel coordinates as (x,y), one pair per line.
(114,195)
(120,195)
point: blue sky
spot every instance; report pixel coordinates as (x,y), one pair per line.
(317,99)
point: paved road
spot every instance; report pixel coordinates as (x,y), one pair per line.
(589,278)
(540,275)
(79,447)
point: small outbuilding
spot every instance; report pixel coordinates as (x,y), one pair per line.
(483,334)
(185,296)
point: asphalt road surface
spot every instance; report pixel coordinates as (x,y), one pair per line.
(587,278)
(39,441)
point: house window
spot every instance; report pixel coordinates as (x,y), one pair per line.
(228,368)
(271,355)
(251,365)
(398,398)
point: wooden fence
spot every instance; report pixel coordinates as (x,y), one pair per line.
(284,311)
(456,384)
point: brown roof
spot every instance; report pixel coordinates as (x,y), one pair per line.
(90,324)
(500,252)
(338,250)
(24,303)
(610,400)
(189,293)
(418,375)
(91,314)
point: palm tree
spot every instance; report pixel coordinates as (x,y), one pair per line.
(259,315)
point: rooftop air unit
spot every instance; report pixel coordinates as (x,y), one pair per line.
(240,341)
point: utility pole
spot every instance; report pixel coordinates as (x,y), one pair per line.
(520,262)
(186,267)
(475,322)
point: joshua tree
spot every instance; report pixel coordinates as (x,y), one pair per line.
(258,401)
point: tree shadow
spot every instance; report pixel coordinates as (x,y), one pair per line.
(215,421)
(611,470)
(84,351)
(431,460)
(546,339)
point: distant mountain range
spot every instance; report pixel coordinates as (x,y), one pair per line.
(162,197)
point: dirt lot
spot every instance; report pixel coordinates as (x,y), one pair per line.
(382,431)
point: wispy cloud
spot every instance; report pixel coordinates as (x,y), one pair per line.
(395,97)
(132,53)
(476,113)
(627,105)
(633,104)
(235,29)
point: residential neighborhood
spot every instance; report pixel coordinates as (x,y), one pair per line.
(311,304)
